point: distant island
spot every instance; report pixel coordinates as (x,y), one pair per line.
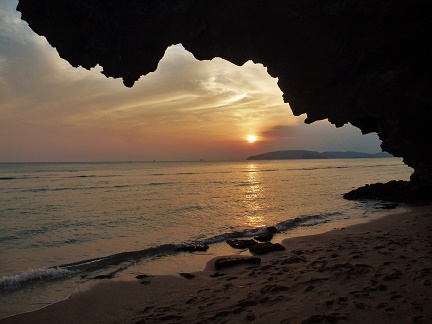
(303,154)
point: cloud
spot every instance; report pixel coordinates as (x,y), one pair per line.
(182,92)
(319,136)
(279,131)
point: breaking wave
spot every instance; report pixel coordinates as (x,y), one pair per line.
(15,281)
(96,264)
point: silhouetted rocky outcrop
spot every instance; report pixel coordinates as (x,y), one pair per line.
(400,191)
(288,155)
(240,244)
(302,154)
(349,61)
(265,237)
(263,248)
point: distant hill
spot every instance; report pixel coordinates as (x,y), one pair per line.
(303,154)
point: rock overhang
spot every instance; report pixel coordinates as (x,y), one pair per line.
(358,62)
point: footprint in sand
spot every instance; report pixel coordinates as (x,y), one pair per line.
(273,288)
(393,276)
(342,301)
(191,300)
(360,305)
(171,317)
(309,288)
(327,318)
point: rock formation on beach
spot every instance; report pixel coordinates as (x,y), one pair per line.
(348,61)
(377,272)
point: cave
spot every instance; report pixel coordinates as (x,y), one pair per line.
(348,61)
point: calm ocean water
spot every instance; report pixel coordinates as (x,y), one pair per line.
(65,214)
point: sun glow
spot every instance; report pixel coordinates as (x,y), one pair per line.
(251,138)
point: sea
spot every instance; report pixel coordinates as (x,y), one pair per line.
(63,224)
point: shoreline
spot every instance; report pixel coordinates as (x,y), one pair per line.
(44,293)
(379,271)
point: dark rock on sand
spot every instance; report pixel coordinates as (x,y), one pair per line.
(264,237)
(233,261)
(187,275)
(272,229)
(395,191)
(141,276)
(193,247)
(240,244)
(108,276)
(262,248)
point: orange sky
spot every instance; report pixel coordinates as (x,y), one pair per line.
(186,110)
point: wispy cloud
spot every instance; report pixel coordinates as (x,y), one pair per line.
(279,131)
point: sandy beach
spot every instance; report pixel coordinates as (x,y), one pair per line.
(377,272)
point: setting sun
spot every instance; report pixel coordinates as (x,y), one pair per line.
(251,138)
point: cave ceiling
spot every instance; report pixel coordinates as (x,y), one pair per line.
(361,62)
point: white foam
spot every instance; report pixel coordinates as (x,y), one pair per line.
(10,282)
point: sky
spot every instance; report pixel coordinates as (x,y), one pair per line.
(185,110)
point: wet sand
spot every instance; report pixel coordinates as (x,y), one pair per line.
(378,272)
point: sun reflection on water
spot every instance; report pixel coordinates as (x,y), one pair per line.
(254,195)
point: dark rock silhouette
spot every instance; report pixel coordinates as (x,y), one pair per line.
(142,276)
(273,230)
(98,277)
(288,155)
(265,237)
(240,244)
(398,191)
(263,248)
(348,61)
(302,154)
(187,275)
(193,247)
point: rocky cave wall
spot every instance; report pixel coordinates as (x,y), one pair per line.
(361,62)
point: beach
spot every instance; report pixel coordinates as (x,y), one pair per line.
(158,164)
(377,272)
